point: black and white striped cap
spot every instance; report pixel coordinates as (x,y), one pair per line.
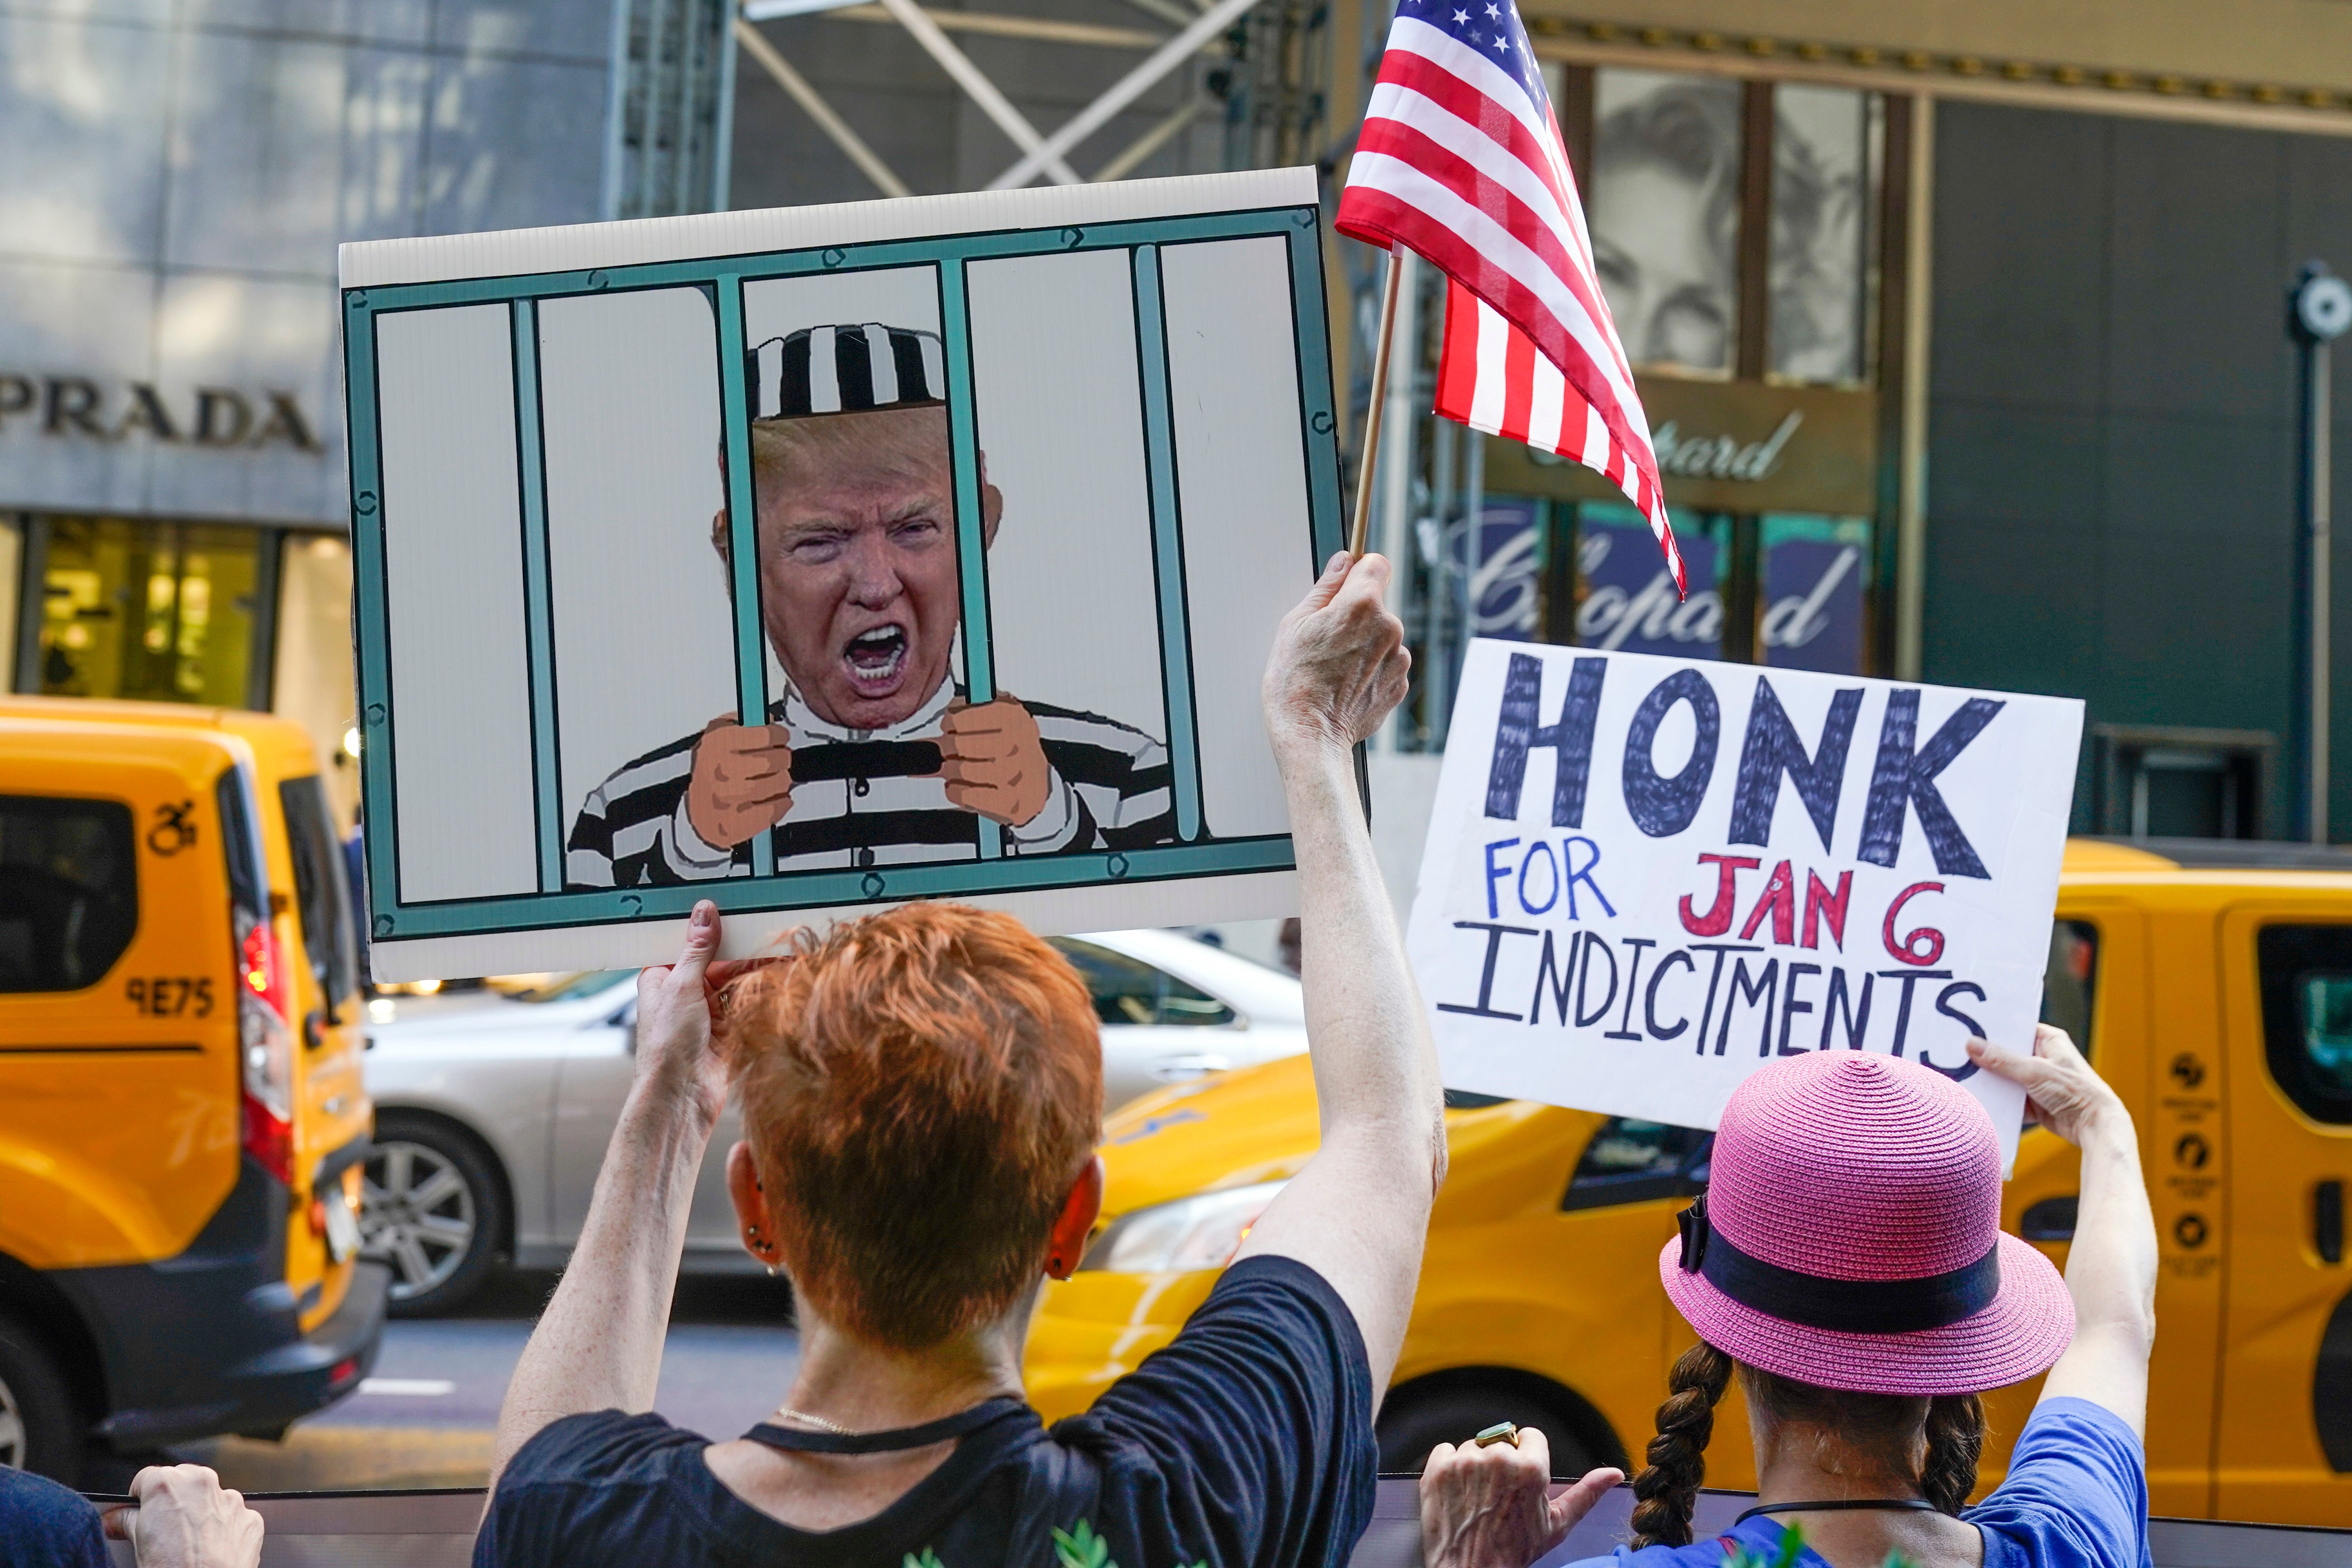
(845,370)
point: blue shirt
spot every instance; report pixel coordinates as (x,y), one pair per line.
(2075,1496)
(1248,1440)
(44,1525)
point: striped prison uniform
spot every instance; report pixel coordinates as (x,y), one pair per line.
(860,800)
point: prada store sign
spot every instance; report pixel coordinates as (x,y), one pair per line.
(1728,446)
(81,408)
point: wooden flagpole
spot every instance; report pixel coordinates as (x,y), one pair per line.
(1369,460)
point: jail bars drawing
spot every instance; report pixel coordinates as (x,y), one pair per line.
(500,537)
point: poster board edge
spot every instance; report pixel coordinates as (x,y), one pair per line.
(1057,911)
(374,263)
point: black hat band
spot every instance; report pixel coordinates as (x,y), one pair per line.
(1849,1305)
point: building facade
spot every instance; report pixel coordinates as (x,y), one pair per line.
(1963,336)
(1961,330)
(173,509)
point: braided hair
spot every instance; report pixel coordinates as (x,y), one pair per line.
(1888,1430)
(1956,1436)
(1666,1490)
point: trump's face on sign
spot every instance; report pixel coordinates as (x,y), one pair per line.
(858,586)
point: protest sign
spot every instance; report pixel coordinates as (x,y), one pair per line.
(1646,877)
(815,559)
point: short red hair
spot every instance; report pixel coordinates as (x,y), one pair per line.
(920,1089)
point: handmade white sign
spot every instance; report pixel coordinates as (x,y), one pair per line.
(1646,877)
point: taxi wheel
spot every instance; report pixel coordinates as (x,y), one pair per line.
(431,1206)
(1413,1422)
(37,1429)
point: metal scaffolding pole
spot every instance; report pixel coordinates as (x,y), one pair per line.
(2319,309)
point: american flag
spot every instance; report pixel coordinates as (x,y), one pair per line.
(1461,161)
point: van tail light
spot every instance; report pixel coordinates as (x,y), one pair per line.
(266,1047)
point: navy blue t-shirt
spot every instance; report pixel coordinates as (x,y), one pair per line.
(44,1525)
(1248,1440)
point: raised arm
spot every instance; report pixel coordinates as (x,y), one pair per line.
(2111,1266)
(598,1346)
(1357,1215)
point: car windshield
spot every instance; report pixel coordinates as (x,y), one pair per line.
(320,894)
(1128,991)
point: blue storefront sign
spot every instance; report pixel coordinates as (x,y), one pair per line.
(1816,578)
(1504,575)
(1628,601)
(1814,588)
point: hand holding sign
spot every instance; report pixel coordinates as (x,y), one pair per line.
(994,763)
(1646,877)
(1489,1503)
(742,783)
(1340,665)
(2061,1092)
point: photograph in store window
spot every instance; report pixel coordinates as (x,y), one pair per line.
(1822,140)
(1665,218)
(1664,215)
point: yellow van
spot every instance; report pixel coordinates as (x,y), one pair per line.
(183,1119)
(2212,982)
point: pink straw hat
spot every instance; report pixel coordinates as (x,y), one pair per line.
(1850,1236)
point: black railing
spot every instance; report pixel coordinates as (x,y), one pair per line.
(435,1530)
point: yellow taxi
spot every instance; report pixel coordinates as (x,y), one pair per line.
(183,1119)
(2211,984)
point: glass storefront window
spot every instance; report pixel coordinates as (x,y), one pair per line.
(1624,594)
(314,683)
(162,612)
(1819,276)
(1816,593)
(1664,215)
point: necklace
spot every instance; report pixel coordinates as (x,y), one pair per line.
(819,1422)
(1891,1505)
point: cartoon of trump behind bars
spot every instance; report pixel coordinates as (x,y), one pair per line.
(871,756)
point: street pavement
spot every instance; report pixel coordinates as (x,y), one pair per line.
(424,1416)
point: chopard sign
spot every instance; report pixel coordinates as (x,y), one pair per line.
(1730,447)
(75,407)
(1719,457)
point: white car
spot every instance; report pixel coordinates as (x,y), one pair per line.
(493,1109)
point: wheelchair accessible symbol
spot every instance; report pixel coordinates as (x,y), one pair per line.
(173,832)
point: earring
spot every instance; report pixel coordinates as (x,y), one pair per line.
(761,1248)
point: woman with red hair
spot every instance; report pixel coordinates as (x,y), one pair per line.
(921,1093)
